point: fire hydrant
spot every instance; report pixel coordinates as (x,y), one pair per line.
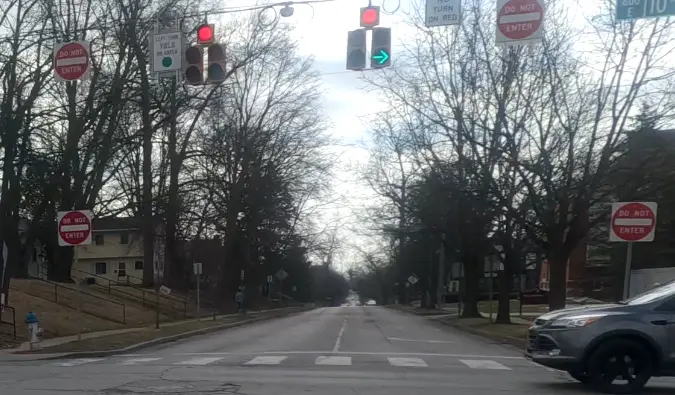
(33,330)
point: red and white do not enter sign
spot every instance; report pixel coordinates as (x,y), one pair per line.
(633,221)
(74,227)
(520,19)
(71,61)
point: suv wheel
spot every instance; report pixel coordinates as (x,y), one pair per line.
(620,360)
(581,377)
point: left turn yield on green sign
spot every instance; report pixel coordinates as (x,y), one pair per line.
(167,51)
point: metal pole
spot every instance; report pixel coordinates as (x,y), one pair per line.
(79,297)
(626,277)
(441,274)
(491,284)
(198,281)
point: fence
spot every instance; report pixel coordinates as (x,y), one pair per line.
(91,304)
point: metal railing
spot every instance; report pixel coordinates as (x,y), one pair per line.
(83,295)
(147,298)
(13,323)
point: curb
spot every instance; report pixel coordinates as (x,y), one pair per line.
(167,339)
(512,341)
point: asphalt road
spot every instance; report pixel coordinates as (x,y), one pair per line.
(328,351)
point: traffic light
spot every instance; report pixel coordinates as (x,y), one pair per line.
(356,49)
(206,34)
(381,48)
(216,68)
(194,65)
(370,16)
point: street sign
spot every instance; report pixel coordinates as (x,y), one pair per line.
(412,280)
(519,21)
(197,267)
(165,290)
(74,227)
(637,9)
(442,12)
(633,221)
(71,61)
(242,274)
(167,49)
(269,279)
(282,275)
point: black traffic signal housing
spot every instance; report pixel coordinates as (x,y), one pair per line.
(380,48)
(356,49)
(369,16)
(216,69)
(194,65)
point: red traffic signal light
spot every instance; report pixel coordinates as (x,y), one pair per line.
(194,66)
(206,34)
(370,16)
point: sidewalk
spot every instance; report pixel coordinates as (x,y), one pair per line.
(93,335)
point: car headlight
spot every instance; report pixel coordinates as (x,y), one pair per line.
(576,321)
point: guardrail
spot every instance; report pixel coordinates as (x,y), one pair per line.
(63,294)
(13,323)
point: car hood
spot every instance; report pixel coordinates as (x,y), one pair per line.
(576,310)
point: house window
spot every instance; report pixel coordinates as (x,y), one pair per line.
(138,265)
(101,268)
(124,238)
(98,239)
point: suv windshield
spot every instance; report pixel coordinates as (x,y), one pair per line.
(652,295)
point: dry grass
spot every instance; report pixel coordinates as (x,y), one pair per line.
(55,319)
(510,333)
(484,306)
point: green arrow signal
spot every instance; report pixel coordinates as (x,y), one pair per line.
(382,57)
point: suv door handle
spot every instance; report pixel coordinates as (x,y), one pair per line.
(660,322)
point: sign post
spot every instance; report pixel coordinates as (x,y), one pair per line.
(198,272)
(519,22)
(632,222)
(442,12)
(639,9)
(71,61)
(74,229)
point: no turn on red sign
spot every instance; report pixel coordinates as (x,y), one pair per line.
(633,221)
(72,61)
(519,21)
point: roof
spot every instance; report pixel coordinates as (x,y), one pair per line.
(117,223)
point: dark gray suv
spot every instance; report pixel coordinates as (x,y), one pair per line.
(616,348)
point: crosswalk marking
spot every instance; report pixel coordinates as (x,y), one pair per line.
(266,360)
(416,362)
(199,361)
(77,362)
(483,364)
(136,361)
(341,361)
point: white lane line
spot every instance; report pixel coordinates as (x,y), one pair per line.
(77,362)
(339,338)
(412,354)
(198,361)
(414,362)
(420,341)
(136,361)
(266,360)
(483,364)
(340,361)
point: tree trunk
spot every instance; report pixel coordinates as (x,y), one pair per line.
(558,281)
(504,307)
(472,271)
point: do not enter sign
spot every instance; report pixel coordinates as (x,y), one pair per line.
(633,221)
(71,61)
(519,20)
(74,227)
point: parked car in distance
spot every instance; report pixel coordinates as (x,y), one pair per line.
(630,341)
(371,303)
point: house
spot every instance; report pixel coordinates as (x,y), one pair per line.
(115,253)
